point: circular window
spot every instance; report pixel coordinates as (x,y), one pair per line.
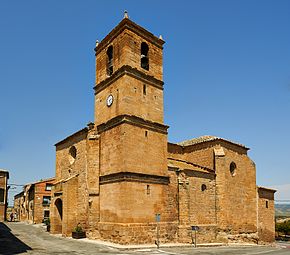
(203,187)
(72,154)
(233,168)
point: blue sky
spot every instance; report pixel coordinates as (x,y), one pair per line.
(226,73)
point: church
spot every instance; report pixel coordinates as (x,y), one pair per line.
(122,181)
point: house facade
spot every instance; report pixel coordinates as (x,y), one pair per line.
(33,203)
(122,181)
(4,176)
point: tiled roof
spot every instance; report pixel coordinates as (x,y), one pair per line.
(45,180)
(6,172)
(74,134)
(206,138)
(269,189)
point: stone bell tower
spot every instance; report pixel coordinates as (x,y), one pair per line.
(129,121)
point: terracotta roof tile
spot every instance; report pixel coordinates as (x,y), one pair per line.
(206,138)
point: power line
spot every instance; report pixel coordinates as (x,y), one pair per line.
(13,184)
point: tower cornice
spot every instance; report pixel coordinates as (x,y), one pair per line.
(133,72)
(133,120)
(132,26)
(124,176)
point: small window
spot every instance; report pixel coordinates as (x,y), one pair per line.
(110,68)
(46,200)
(144,56)
(1,195)
(146,133)
(144,89)
(72,154)
(48,186)
(233,168)
(148,190)
(203,187)
(46,214)
(267,204)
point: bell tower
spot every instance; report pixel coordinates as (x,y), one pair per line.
(129,121)
(129,68)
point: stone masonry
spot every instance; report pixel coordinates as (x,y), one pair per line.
(120,178)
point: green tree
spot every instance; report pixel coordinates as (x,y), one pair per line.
(283,227)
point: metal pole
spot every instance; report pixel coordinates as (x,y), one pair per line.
(157,235)
(192,237)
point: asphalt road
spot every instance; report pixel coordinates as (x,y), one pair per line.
(21,238)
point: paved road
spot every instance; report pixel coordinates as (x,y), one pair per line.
(21,238)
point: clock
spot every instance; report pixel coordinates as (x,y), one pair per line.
(110,100)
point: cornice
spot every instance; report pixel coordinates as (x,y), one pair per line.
(133,120)
(133,177)
(80,132)
(133,72)
(132,26)
(266,189)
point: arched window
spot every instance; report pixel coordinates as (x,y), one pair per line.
(110,61)
(72,154)
(203,187)
(233,168)
(144,56)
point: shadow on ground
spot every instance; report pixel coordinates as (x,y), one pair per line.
(9,243)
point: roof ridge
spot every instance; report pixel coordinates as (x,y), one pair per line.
(207,138)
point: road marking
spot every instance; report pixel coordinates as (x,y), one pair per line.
(156,252)
(261,252)
(169,253)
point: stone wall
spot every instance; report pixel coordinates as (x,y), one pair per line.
(196,205)
(171,210)
(236,192)
(72,183)
(131,202)
(72,210)
(129,148)
(145,233)
(77,182)
(130,99)
(204,234)
(266,215)
(229,203)
(66,165)
(127,51)
(93,173)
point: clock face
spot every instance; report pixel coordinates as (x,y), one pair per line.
(110,100)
